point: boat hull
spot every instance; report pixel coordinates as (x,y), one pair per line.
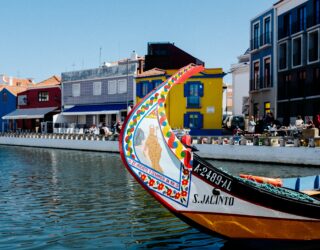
(248,227)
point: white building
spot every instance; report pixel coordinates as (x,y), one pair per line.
(240,84)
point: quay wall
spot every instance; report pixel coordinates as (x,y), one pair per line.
(265,154)
(91,145)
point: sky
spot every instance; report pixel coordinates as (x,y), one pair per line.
(41,38)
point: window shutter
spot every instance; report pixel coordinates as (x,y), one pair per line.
(139,90)
(200,86)
(186,121)
(150,86)
(186,89)
(200,122)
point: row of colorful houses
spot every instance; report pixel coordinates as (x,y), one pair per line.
(104,95)
(24,107)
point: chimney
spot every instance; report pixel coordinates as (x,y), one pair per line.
(10,80)
(134,55)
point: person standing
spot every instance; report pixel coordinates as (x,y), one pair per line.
(251,125)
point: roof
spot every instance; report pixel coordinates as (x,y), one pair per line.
(152,72)
(52,81)
(13,89)
(13,81)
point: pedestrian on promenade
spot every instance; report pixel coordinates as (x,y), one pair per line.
(317,121)
(299,122)
(251,125)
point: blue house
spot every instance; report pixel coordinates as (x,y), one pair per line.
(262,77)
(7,105)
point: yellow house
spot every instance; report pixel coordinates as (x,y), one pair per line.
(196,104)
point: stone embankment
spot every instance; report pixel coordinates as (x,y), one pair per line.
(308,156)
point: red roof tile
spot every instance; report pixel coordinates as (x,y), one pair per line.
(52,81)
(152,72)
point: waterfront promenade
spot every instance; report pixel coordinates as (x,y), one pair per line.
(308,156)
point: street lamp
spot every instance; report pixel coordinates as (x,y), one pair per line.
(225,87)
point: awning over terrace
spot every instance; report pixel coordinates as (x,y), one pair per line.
(96,109)
(29,113)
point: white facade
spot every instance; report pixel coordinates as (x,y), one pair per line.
(240,83)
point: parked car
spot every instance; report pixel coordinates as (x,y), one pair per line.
(233,121)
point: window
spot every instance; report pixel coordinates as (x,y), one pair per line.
(313,46)
(122,86)
(267,73)
(256,36)
(283,56)
(112,87)
(145,88)
(156,83)
(297,52)
(4,97)
(267,33)
(193,120)
(287,23)
(302,18)
(302,75)
(76,89)
(43,96)
(96,88)
(256,75)
(193,91)
(316,9)
(267,108)
(22,100)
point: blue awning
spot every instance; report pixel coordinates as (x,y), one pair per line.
(96,109)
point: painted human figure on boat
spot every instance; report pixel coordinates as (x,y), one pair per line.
(153,149)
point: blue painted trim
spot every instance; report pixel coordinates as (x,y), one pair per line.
(187,118)
(205,76)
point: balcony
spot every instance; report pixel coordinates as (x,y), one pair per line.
(193,102)
(255,84)
(263,40)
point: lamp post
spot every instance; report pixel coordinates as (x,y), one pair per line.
(225,87)
(127,85)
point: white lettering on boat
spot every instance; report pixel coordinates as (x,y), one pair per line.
(214,177)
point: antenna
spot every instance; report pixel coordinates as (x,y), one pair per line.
(100,49)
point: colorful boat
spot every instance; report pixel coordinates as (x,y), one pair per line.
(199,193)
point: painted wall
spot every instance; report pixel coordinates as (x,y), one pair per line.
(86,92)
(210,103)
(7,105)
(240,86)
(86,79)
(33,98)
(263,94)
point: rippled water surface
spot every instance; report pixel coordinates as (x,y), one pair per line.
(57,199)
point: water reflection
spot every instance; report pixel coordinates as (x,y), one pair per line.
(73,199)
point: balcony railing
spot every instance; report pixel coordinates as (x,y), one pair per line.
(193,102)
(263,39)
(255,84)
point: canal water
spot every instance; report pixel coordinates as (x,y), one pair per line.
(60,199)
